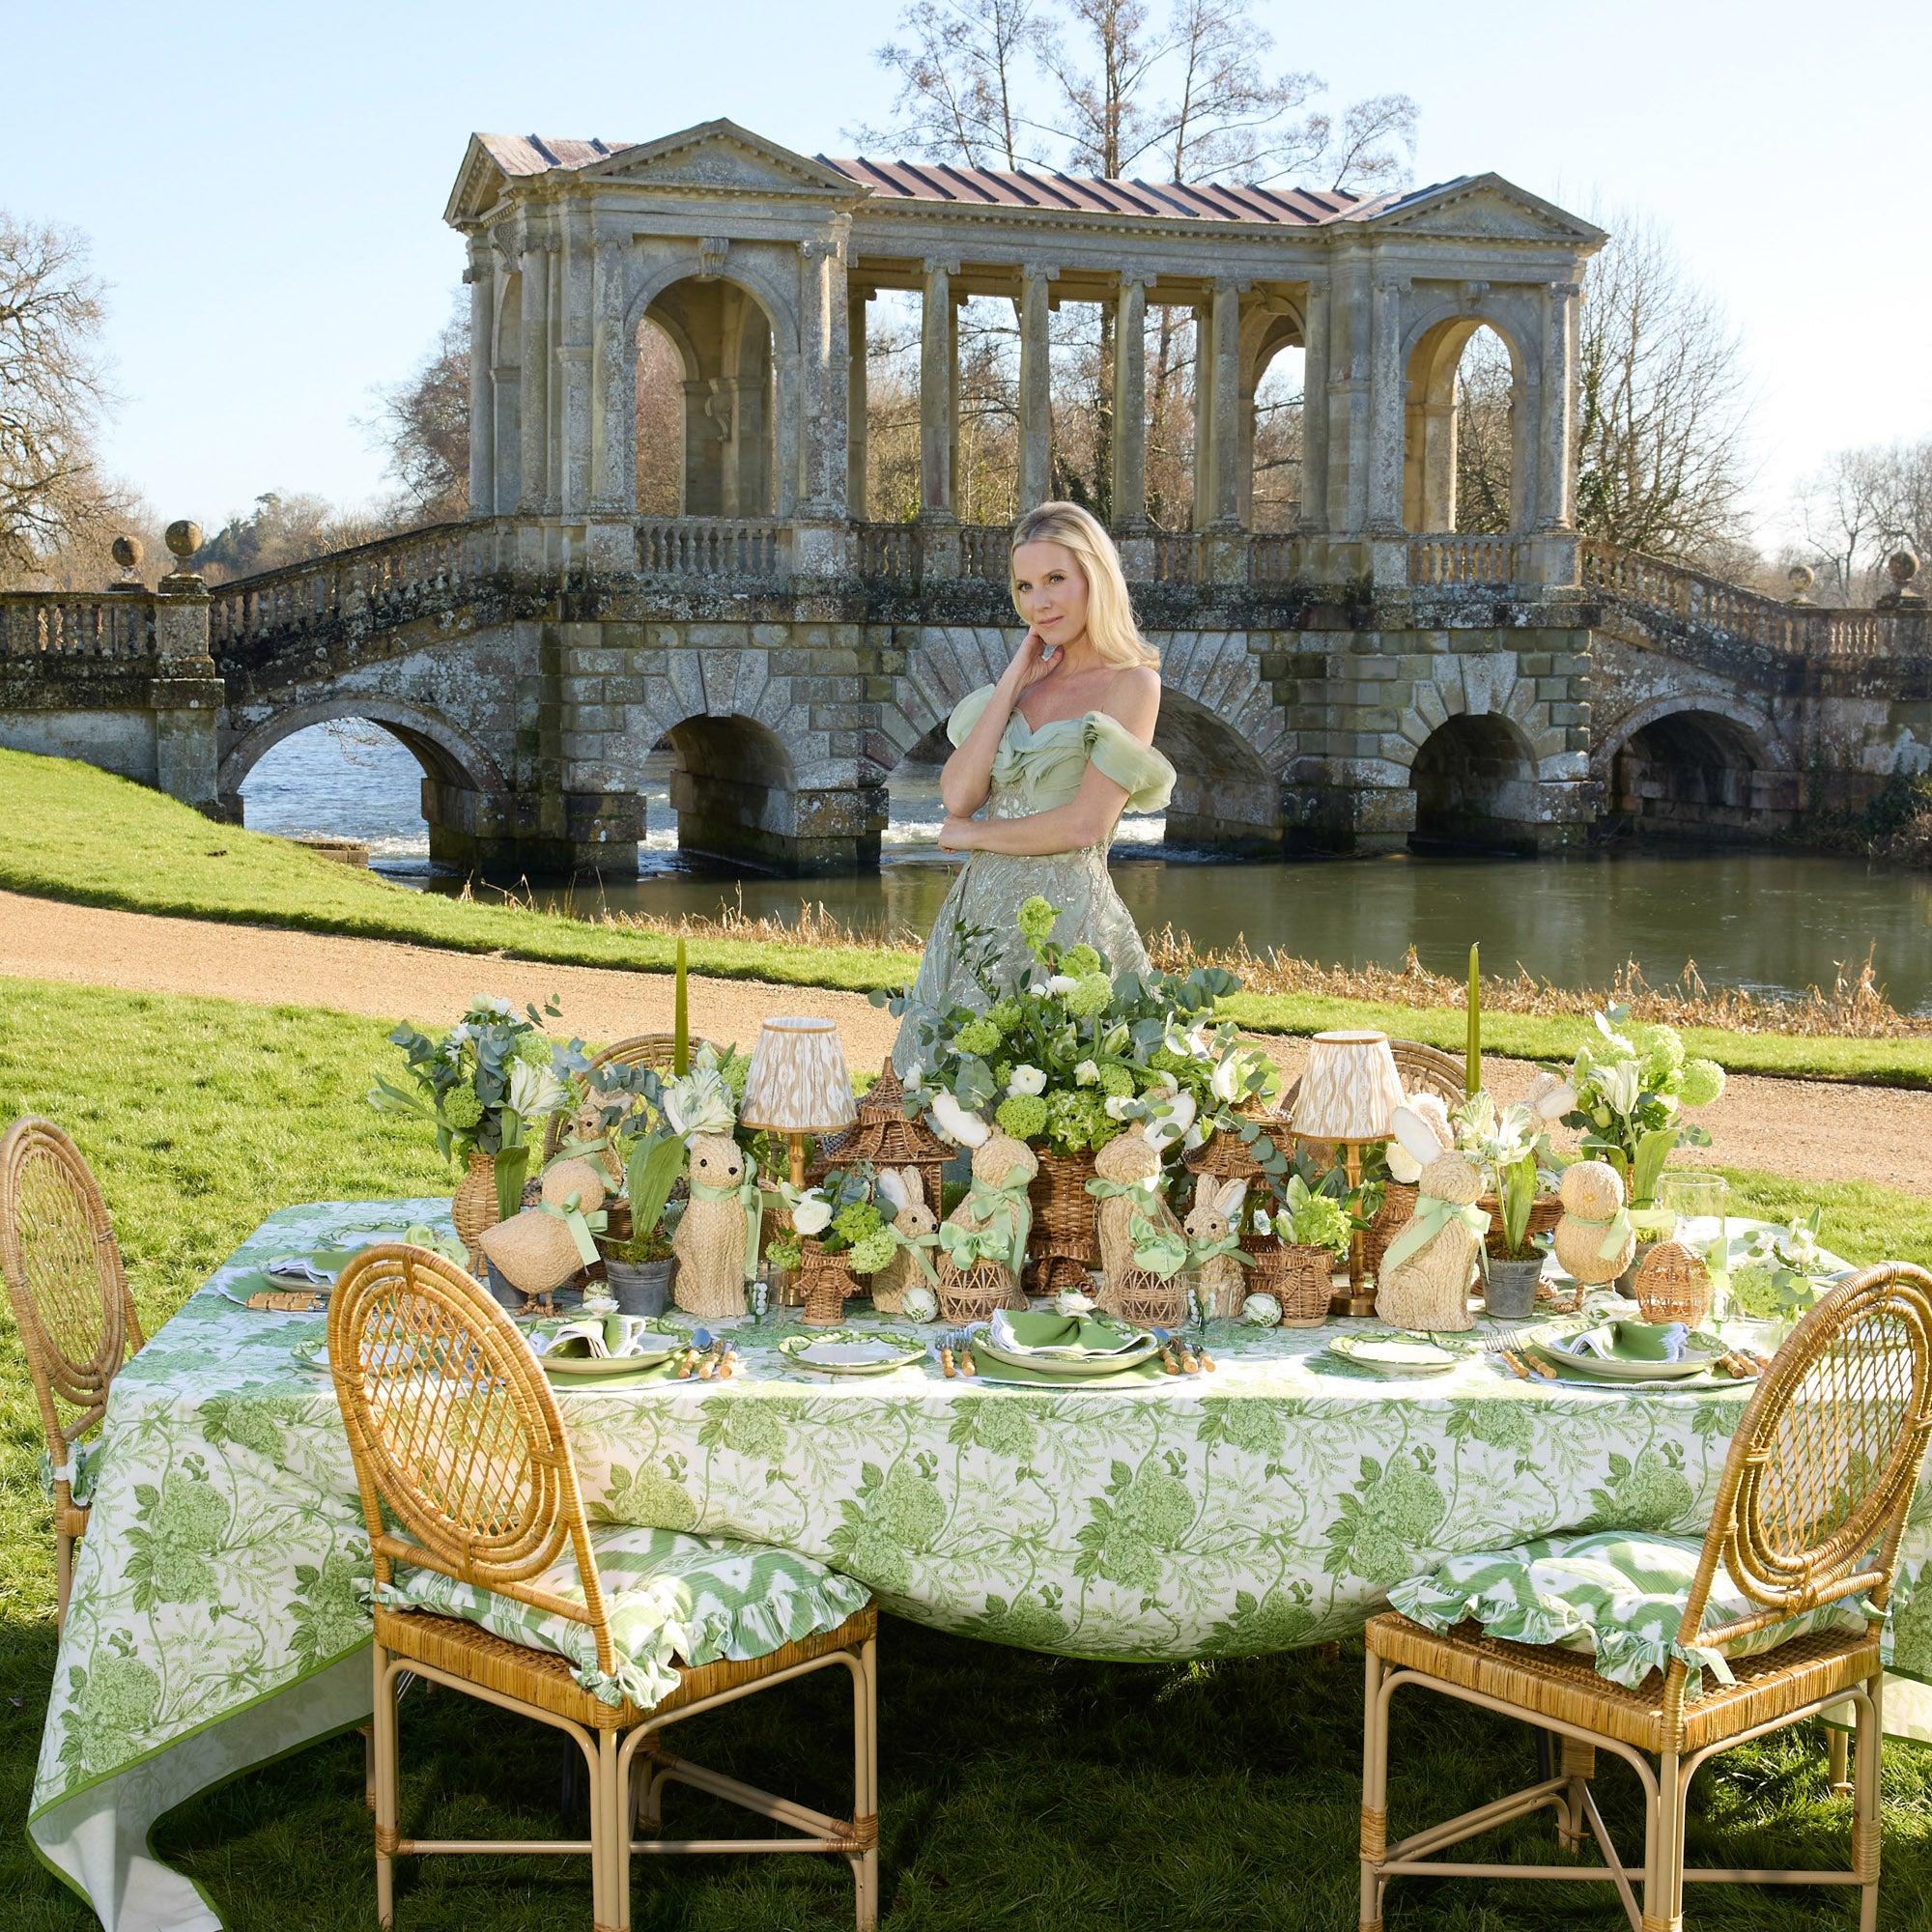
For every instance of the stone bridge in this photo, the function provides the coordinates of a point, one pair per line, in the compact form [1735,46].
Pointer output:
[1358,682]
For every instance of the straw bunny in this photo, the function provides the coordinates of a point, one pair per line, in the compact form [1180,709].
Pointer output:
[917,1226]
[1211,1248]
[1126,1181]
[993,1221]
[1426,1272]
[717,1239]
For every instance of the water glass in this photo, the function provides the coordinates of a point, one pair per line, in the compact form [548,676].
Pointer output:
[1703,1197]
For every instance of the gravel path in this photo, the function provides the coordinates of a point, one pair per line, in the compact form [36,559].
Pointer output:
[1816,1129]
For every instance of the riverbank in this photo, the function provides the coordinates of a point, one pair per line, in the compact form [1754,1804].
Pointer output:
[79,835]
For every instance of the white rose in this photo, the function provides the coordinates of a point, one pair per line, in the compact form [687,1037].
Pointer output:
[1087,1074]
[1026,1080]
[961,1128]
[1229,1079]
[1116,1105]
[1403,1165]
[812,1214]
[1062,982]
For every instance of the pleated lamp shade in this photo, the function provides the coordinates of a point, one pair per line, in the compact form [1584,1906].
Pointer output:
[1349,1088]
[798,1083]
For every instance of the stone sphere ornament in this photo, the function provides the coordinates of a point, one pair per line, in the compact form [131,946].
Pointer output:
[128,551]
[183,538]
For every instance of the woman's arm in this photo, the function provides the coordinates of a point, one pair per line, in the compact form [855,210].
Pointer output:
[1133,698]
[968,774]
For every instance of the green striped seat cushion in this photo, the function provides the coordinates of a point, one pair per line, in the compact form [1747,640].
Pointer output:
[1617,1593]
[669,1595]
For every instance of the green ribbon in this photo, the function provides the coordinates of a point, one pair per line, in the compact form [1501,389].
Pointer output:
[1228,1244]
[569,1210]
[1429,1218]
[1159,1250]
[1619,1225]
[578,1150]
[1006,1205]
[1114,1190]
[747,1196]
[916,1245]
[968,1248]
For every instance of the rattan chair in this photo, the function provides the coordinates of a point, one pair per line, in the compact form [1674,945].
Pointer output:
[643,1049]
[69,1294]
[456,1439]
[1809,1510]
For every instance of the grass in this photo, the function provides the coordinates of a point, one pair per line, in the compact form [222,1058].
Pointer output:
[1020,1792]
[81,835]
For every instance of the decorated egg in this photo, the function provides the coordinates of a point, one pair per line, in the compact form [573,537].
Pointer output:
[919,1304]
[1262,1311]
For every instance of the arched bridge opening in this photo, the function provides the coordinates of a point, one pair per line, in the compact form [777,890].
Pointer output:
[1698,775]
[1224,796]
[1474,781]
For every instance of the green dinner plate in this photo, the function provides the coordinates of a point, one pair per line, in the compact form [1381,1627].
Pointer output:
[987,1368]
[1069,1368]
[618,1372]
[853,1351]
[1704,1351]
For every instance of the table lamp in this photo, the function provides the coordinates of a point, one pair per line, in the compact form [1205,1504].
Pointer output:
[798,1085]
[1347,1091]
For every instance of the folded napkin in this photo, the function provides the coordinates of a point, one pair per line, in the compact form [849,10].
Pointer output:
[1065,1337]
[607,1340]
[1602,1342]
[298,1267]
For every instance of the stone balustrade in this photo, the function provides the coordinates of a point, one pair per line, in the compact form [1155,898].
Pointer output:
[37,623]
[757,547]
[1502,557]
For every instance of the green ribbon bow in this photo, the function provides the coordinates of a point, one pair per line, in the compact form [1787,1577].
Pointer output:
[747,1196]
[916,1246]
[1159,1250]
[570,1211]
[968,1248]
[1619,1226]
[1004,1205]
[1228,1244]
[1114,1190]
[1429,1218]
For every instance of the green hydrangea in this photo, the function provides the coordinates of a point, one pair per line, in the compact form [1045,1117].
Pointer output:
[532,1047]
[1754,1290]
[461,1107]
[873,1251]
[1320,1222]
[856,1220]
[1091,995]
[978,1036]
[1703,1081]
[1117,1082]
[1035,919]
[1659,1056]
[1164,1060]
[1081,960]
[1023,1115]
[1076,1121]
[1007,1015]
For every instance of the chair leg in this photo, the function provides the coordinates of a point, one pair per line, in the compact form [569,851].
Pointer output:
[1867,1741]
[368,1737]
[383,1732]
[1837,1774]
[866,1782]
[1664,1861]
[64,1570]
[606,1910]
[1374,1794]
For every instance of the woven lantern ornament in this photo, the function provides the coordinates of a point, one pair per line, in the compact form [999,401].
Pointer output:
[1348,1091]
[798,1085]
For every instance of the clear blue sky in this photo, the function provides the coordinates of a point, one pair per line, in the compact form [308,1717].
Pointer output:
[264,184]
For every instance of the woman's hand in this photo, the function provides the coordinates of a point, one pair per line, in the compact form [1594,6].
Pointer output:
[1031,663]
[959,835]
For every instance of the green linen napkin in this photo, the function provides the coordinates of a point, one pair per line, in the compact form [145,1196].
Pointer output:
[1039,1334]
[990,1369]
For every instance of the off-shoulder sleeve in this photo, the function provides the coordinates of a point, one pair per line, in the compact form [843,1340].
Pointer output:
[1148,776]
[968,712]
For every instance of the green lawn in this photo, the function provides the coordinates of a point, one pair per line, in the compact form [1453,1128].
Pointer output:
[1020,1792]
[78,834]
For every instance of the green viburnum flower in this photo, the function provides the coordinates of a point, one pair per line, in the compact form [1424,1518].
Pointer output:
[871,1252]
[1659,1056]
[1007,1015]
[1023,1115]
[1164,1060]
[1070,1120]
[1702,1082]
[1754,1290]
[978,1037]
[857,1220]
[1089,997]
[1117,1082]
[1035,919]
[461,1107]
[533,1048]
[1081,961]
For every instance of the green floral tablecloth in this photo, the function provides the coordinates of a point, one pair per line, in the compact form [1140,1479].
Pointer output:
[215,1618]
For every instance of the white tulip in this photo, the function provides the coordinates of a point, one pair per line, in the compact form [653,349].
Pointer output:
[1026,1080]
[1087,1074]
[956,1125]
[1403,1165]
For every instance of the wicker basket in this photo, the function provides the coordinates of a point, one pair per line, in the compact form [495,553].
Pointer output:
[1545,1212]
[1225,1155]
[474,1208]
[1391,1217]
[1673,1285]
[824,1281]
[1143,1298]
[1064,1244]
[973,1294]
[1298,1278]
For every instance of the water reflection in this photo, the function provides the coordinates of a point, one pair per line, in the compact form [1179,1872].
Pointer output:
[1770,921]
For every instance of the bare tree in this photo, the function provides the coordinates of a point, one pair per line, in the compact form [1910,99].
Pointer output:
[962,70]
[1483,435]
[53,392]
[423,424]
[1857,508]
[282,529]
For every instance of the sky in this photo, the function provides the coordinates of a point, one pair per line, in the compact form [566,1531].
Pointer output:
[264,187]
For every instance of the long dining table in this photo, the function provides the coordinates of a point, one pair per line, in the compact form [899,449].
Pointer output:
[218,1614]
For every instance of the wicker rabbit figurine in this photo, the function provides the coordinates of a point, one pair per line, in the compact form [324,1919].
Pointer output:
[904,1189]
[984,1237]
[1126,1181]
[1221,1281]
[1426,1272]
[716,1242]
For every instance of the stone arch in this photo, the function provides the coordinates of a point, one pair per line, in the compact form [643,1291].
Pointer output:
[1697,764]
[1473,781]
[1433,360]
[449,758]
[1265,334]
[733,787]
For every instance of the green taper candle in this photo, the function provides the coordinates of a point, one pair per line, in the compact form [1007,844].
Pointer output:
[680,1025]
[1472,1063]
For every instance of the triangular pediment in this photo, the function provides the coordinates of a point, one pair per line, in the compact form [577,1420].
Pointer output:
[1486,207]
[720,156]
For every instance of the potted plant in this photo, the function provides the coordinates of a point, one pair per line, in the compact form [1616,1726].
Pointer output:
[1512,1262]
[838,1233]
[1313,1229]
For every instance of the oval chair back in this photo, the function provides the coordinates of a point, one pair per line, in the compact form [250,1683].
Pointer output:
[654,1050]
[1825,1460]
[69,1296]
[455,1432]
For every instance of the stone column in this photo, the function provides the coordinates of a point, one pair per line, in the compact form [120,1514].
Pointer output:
[1129,478]
[936,378]
[856,403]
[533,409]
[1226,440]
[1555,455]
[507,382]
[481,276]
[823,320]
[1036,387]
[613,424]
[957,488]
[576,305]
[186,694]
[1203,417]
[1386,408]
[1315,411]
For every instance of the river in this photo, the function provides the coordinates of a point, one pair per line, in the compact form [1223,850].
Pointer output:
[1770,921]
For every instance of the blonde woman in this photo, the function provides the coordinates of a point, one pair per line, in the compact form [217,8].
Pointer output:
[1055,751]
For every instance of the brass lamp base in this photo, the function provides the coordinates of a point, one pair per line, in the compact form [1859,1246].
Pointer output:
[1360,1296]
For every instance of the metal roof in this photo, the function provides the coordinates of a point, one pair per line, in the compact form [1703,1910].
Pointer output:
[535,155]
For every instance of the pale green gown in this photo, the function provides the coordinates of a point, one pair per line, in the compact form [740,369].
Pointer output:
[1035,771]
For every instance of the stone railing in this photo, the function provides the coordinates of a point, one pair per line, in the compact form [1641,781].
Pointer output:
[59,623]
[1706,604]
[1274,558]
[984,549]
[1177,557]
[714,547]
[887,550]
[373,584]
[1501,558]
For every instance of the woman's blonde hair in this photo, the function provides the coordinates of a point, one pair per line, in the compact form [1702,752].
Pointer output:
[1110,611]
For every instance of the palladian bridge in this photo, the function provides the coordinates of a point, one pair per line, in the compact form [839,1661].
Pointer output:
[1367,680]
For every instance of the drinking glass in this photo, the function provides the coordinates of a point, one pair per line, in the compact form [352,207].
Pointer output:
[1703,1198]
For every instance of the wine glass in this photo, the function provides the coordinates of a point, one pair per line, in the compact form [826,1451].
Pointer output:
[1702,1199]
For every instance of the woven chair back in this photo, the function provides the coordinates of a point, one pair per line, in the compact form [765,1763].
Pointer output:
[455,1432]
[64,1277]
[1828,1455]
[655,1050]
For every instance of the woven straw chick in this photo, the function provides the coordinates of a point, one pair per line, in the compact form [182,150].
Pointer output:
[1592,1194]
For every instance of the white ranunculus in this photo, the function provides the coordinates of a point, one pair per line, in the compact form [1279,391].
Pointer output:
[814,1213]
[916,1079]
[1026,1080]
[1087,1074]
[955,1123]
[1403,1165]
[490,1003]
[1062,982]
[535,1092]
